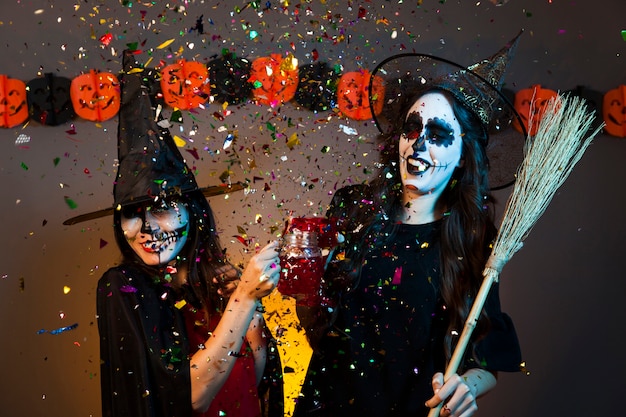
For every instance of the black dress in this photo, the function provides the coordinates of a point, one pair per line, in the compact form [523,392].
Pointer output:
[387,341]
[145,350]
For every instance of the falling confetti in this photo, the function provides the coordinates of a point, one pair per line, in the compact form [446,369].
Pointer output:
[165,44]
[180,142]
[59,330]
[128,289]
[22,139]
[70,203]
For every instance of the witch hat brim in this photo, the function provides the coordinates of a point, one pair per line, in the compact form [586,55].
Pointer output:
[150,165]
[407,76]
[207,192]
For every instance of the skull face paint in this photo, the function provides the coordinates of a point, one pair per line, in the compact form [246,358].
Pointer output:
[430,146]
[156,233]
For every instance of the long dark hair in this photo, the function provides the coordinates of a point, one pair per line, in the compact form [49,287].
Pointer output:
[466,230]
[202,253]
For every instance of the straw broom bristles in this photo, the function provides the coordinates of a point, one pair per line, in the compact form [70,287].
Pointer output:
[549,158]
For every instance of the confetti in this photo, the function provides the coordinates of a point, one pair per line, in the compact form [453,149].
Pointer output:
[228,141]
[22,139]
[59,330]
[165,44]
[180,142]
[70,203]
[348,130]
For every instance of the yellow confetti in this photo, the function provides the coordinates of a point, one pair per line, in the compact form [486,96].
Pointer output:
[180,304]
[180,142]
[166,44]
[293,141]
[66,289]
[289,63]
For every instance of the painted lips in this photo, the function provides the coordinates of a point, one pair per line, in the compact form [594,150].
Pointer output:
[161,241]
[416,166]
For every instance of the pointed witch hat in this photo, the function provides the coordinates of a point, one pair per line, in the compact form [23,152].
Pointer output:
[150,165]
[478,87]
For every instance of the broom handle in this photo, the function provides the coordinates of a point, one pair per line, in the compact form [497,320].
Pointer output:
[491,276]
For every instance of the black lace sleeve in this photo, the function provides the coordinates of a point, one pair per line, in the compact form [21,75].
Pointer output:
[499,350]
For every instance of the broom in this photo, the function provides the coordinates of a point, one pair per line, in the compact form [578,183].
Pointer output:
[549,157]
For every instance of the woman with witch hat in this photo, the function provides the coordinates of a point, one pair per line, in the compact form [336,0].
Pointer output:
[181,329]
[416,240]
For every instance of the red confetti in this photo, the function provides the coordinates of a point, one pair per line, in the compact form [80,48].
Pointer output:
[106,39]
[194,153]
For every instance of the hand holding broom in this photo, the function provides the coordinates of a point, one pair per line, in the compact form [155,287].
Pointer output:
[549,158]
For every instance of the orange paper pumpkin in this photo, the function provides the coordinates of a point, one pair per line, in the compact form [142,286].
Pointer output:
[185,84]
[614,111]
[95,95]
[13,102]
[531,102]
[274,79]
[353,95]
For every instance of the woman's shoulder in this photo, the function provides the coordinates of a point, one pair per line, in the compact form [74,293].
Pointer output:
[120,276]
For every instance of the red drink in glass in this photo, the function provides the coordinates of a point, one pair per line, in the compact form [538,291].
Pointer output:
[301,268]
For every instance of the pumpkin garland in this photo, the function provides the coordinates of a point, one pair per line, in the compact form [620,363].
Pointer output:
[13,102]
[614,111]
[95,95]
[185,84]
[530,103]
[269,80]
[353,95]
[49,99]
[275,79]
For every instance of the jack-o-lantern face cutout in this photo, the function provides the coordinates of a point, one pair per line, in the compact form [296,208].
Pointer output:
[353,95]
[13,102]
[274,79]
[49,100]
[614,111]
[185,84]
[95,96]
[530,103]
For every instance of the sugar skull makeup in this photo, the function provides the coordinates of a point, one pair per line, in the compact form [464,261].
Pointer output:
[430,146]
[156,233]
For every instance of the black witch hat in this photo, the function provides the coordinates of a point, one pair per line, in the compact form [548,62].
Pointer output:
[150,165]
[477,87]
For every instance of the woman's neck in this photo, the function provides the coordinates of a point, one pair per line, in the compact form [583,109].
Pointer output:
[419,209]
[178,274]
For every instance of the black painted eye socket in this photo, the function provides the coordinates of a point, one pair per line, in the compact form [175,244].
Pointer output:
[413,126]
[133,210]
[157,207]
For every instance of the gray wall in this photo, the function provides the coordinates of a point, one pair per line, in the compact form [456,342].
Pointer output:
[565,289]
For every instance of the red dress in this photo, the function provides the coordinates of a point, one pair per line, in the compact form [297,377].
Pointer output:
[239,394]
